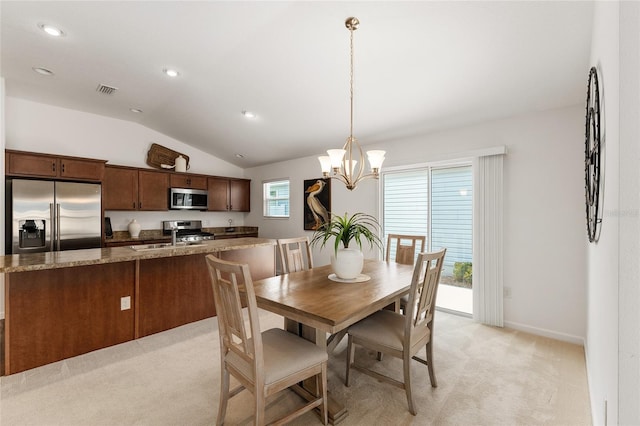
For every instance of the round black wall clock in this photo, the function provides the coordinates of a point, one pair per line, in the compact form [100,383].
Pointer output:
[592,156]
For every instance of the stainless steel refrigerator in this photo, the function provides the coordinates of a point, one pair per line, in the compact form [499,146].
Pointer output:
[46,216]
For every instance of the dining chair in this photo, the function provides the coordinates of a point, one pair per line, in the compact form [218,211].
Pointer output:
[399,335]
[295,254]
[405,253]
[265,362]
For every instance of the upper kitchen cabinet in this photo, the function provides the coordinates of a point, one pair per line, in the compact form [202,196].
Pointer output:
[29,164]
[126,188]
[181,180]
[229,194]
[153,190]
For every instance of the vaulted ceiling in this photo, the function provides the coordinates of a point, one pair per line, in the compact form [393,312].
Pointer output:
[419,67]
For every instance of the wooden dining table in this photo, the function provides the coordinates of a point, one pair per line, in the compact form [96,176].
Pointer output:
[321,309]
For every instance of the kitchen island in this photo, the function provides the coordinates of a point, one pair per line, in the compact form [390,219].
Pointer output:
[63,304]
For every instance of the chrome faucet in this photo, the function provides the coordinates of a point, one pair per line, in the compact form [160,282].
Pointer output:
[174,236]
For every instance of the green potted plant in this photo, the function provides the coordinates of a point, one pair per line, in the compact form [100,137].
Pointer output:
[348,261]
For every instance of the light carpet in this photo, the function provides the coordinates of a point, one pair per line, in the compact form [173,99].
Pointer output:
[486,376]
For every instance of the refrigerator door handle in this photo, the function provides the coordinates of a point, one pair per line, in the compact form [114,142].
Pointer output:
[58,226]
[53,228]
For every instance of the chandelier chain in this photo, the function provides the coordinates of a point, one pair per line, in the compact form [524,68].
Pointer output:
[351,29]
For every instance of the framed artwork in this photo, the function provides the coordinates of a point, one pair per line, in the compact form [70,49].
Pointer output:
[317,203]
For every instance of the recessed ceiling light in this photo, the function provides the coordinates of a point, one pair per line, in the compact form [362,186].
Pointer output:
[136,110]
[170,72]
[239,156]
[51,30]
[248,114]
[42,71]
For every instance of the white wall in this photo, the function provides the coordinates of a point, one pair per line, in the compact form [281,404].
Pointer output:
[544,209]
[603,256]
[629,264]
[44,128]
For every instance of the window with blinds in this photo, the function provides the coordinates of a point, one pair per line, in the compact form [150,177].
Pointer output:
[276,198]
[435,202]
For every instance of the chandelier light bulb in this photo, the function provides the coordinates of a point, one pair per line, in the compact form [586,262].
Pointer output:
[325,165]
[376,157]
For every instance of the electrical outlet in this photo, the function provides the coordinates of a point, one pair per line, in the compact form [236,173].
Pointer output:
[125,303]
[506,292]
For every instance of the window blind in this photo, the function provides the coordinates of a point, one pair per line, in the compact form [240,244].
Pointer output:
[405,203]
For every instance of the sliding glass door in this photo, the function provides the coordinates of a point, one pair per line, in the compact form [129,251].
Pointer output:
[436,202]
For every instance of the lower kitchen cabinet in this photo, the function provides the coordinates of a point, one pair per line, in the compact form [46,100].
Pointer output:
[60,313]
[174,291]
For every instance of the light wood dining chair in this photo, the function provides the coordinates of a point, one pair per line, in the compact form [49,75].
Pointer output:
[402,336]
[405,253]
[295,254]
[263,362]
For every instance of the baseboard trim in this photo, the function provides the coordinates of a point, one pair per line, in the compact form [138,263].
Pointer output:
[569,338]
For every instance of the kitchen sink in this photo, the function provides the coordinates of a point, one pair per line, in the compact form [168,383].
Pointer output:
[145,247]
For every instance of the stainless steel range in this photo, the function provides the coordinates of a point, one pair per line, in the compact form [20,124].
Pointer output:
[187,230]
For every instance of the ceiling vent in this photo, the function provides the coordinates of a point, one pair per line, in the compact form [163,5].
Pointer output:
[106,90]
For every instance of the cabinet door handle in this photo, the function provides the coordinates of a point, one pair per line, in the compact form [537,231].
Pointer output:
[62,167]
[53,166]
[140,205]
[134,204]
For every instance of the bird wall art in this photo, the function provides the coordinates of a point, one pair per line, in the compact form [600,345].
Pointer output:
[317,203]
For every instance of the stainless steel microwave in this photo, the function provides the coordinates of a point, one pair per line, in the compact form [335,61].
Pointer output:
[188,199]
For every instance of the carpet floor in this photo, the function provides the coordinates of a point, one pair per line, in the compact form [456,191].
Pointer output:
[486,376]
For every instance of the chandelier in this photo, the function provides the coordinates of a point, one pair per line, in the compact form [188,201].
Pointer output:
[347,164]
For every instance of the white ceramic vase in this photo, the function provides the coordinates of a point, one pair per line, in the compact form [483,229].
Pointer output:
[348,263]
[134,229]
[181,164]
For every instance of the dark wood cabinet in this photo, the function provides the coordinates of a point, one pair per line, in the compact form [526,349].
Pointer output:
[227,194]
[120,188]
[174,291]
[53,314]
[126,188]
[60,313]
[131,188]
[218,194]
[153,190]
[181,180]
[28,164]
[240,195]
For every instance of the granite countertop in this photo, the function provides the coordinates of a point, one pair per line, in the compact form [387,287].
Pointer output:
[71,258]
[157,235]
